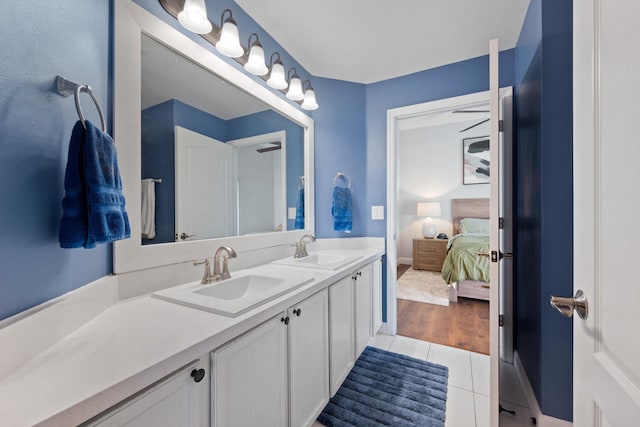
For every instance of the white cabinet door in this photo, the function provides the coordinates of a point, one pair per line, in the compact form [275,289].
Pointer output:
[249,385]
[178,400]
[363,304]
[341,334]
[376,296]
[308,359]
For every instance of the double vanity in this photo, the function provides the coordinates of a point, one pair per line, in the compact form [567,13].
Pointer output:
[151,345]
[197,354]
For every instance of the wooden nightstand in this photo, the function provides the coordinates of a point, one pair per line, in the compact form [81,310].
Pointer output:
[428,254]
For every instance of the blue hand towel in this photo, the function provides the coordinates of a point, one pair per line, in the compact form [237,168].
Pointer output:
[341,209]
[93,206]
[299,223]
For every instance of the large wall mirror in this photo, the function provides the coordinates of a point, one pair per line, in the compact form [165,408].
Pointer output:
[208,155]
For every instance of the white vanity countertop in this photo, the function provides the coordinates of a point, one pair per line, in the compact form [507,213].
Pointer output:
[129,346]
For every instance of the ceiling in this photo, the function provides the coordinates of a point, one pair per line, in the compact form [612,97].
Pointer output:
[167,75]
[367,41]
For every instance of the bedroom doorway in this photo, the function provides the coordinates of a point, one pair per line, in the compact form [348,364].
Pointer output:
[426,173]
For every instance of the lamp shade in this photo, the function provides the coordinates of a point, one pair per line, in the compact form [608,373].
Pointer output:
[310,102]
[429,209]
[229,43]
[295,89]
[276,78]
[255,64]
[193,17]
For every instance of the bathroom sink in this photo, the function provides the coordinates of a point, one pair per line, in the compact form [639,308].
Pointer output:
[238,294]
[319,260]
[240,287]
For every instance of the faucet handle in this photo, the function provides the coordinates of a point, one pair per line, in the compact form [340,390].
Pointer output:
[225,268]
[207,276]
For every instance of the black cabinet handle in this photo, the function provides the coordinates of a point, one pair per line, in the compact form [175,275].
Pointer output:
[285,320]
[297,312]
[197,375]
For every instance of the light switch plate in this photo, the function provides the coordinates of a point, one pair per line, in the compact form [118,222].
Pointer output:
[291,213]
[377,212]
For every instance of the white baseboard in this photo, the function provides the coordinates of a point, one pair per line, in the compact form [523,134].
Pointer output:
[29,333]
[542,419]
[406,261]
[384,329]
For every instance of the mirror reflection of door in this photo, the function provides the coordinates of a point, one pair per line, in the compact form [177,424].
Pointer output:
[261,175]
[205,186]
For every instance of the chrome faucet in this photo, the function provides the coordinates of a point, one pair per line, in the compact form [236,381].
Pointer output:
[301,246]
[230,253]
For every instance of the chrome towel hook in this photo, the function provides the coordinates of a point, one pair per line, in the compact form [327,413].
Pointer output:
[67,88]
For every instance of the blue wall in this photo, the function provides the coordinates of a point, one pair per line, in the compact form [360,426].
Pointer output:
[340,144]
[40,40]
[460,78]
[543,201]
[158,160]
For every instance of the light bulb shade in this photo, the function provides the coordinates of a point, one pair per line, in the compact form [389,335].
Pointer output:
[309,102]
[194,17]
[276,79]
[229,43]
[430,209]
[255,64]
[295,89]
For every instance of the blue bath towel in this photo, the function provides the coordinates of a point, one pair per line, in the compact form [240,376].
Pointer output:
[299,224]
[93,206]
[342,209]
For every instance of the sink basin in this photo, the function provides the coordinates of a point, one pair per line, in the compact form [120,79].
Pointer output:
[240,287]
[238,294]
[319,260]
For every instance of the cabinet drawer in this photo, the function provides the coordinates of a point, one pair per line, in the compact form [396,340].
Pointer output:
[431,251]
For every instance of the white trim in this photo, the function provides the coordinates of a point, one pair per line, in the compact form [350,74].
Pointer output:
[393,115]
[384,329]
[129,255]
[277,136]
[542,419]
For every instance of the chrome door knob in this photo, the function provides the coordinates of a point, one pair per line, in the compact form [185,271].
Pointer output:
[567,306]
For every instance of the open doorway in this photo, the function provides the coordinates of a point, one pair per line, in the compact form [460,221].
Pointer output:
[430,169]
[443,179]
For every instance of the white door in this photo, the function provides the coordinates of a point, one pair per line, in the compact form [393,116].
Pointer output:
[308,359]
[494,293]
[606,151]
[205,186]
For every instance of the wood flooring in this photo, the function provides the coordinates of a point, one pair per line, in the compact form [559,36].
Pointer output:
[464,324]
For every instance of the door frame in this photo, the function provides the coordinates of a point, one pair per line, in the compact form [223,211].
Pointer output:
[277,136]
[390,327]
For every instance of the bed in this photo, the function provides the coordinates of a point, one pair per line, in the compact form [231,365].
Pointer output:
[465,271]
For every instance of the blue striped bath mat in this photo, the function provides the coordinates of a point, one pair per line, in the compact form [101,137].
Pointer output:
[389,389]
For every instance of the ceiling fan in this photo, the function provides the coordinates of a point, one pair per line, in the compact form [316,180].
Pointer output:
[472,111]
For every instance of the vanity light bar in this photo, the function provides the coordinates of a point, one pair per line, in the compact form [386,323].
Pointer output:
[307,100]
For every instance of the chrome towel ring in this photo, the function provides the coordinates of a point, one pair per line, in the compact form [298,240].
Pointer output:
[87,89]
[344,177]
[67,88]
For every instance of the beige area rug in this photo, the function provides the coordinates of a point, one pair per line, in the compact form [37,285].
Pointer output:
[423,286]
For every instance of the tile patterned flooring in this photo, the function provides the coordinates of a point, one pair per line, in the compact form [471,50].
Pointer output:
[468,391]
